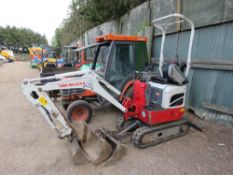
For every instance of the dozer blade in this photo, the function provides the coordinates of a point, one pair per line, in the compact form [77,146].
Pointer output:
[98,148]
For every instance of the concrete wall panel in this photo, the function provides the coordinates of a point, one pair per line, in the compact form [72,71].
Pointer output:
[136,20]
[228,13]
[205,12]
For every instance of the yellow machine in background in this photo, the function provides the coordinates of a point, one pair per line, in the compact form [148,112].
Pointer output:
[8,54]
[42,57]
[35,56]
[49,59]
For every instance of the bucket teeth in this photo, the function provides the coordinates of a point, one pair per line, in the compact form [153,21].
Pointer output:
[98,148]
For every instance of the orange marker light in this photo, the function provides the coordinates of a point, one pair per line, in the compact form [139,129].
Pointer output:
[112,37]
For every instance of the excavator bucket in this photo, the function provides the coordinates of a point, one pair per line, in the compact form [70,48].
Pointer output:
[118,150]
[98,148]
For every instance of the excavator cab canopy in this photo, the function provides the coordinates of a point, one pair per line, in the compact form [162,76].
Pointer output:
[117,57]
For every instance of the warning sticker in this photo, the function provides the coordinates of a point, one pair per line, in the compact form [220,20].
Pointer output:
[43,101]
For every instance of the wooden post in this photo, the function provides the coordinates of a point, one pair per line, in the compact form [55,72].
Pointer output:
[218,108]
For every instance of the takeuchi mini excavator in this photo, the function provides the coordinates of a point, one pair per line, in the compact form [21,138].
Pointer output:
[152,110]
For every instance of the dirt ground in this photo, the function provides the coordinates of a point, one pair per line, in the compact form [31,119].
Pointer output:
[29,146]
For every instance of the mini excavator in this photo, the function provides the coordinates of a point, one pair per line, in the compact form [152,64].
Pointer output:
[152,104]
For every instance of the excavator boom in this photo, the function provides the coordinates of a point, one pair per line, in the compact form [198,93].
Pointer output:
[97,148]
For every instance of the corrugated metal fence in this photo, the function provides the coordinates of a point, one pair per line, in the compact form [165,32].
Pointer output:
[208,84]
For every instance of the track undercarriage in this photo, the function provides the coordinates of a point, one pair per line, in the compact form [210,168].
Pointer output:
[144,136]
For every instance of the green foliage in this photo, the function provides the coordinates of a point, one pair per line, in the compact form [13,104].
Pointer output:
[21,37]
[85,14]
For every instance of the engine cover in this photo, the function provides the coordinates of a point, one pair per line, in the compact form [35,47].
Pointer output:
[165,95]
[155,103]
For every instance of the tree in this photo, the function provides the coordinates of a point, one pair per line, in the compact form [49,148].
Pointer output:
[85,14]
[21,37]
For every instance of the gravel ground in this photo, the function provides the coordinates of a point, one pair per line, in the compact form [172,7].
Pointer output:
[29,146]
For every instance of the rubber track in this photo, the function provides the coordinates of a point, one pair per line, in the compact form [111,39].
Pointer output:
[140,132]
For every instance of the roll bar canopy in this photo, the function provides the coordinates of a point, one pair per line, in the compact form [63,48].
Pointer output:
[163,29]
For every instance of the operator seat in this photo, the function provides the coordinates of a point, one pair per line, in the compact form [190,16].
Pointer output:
[173,73]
